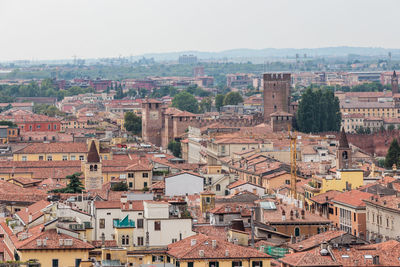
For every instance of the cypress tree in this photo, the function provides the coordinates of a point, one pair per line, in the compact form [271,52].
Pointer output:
[392,156]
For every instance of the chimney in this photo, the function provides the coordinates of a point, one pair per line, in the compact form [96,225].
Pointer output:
[214,243]
[193,242]
[226,253]
[30,217]
[201,253]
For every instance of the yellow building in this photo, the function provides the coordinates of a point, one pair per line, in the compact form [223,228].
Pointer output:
[58,151]
[369,109]
[200,250]
[346,177]
[48,247]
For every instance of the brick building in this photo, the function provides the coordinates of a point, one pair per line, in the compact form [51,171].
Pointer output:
[276,93]
[28,121]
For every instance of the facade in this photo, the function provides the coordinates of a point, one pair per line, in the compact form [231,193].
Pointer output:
[383,217]
[182,184]
[276,93]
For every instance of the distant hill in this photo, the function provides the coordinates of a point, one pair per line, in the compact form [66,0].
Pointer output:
[339,51]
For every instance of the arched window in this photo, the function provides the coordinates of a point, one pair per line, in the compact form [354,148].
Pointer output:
[123,240]
[218,187]
[344,155]
[297,231]
[95,168]
[91,168]
[127,240]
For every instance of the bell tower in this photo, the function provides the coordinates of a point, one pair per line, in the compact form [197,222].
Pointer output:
[395,83]
[343,153]
[92,168]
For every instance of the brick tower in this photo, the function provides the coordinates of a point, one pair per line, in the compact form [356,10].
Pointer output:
[343,153]
[395,83]
[152,121]
[92,167]
[276,93]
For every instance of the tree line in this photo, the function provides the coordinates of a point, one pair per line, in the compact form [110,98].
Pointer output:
[318,111]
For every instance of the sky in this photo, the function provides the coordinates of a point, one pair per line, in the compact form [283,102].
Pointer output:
[61,29]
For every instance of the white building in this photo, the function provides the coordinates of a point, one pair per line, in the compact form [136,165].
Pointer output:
[185,183]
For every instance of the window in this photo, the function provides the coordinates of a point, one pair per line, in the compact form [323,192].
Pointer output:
[287,181]
[145,175]
[131,175]
[49,126]
[55,126]
[73,157]
[65,157]
[208,199]
[139,223]
[49,158]
[38,126]
[54,263]
[140,241]
[24,158]
[102,223]
[190,264]
[297,231]
[130,184]
[174,240]
[355,217]
[125,240]
[218,187]
[145,184]
[236,263]
[256,264]
[213,264]
[30,129]
[221,218]
[157,226]
[81,157]
[77,262]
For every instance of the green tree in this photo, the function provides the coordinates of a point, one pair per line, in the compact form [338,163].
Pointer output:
[392,156]
[175,148]
[74,186]
[233,98]
[185,101]
[133,123]
[205,105]
[219,101]
[319,111]
[121,186]
[391,128]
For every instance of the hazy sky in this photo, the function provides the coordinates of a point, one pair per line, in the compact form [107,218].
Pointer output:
[55,29]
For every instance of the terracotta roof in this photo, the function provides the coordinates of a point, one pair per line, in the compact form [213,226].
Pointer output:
[13,193]
[352,198]
[35,210]
[107,243]
[232,208]
[325,197]
[315,240]
[58,147]
[308,259]
[107,204]
[392,202]
[53,242]
[190,247]
[158,185]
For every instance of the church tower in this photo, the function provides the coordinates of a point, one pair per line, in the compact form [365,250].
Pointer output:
[92,168]
[343,153]
[395,83]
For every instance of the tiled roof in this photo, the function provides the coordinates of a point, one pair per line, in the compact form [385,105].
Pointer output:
[158,185]
[315,240]
[13,193]
[53,242]
[232,208]
[392,202]
[352,198]
[58,147]
[308,259]
[35,210]
[191,248]
[325,197]
[107,243]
